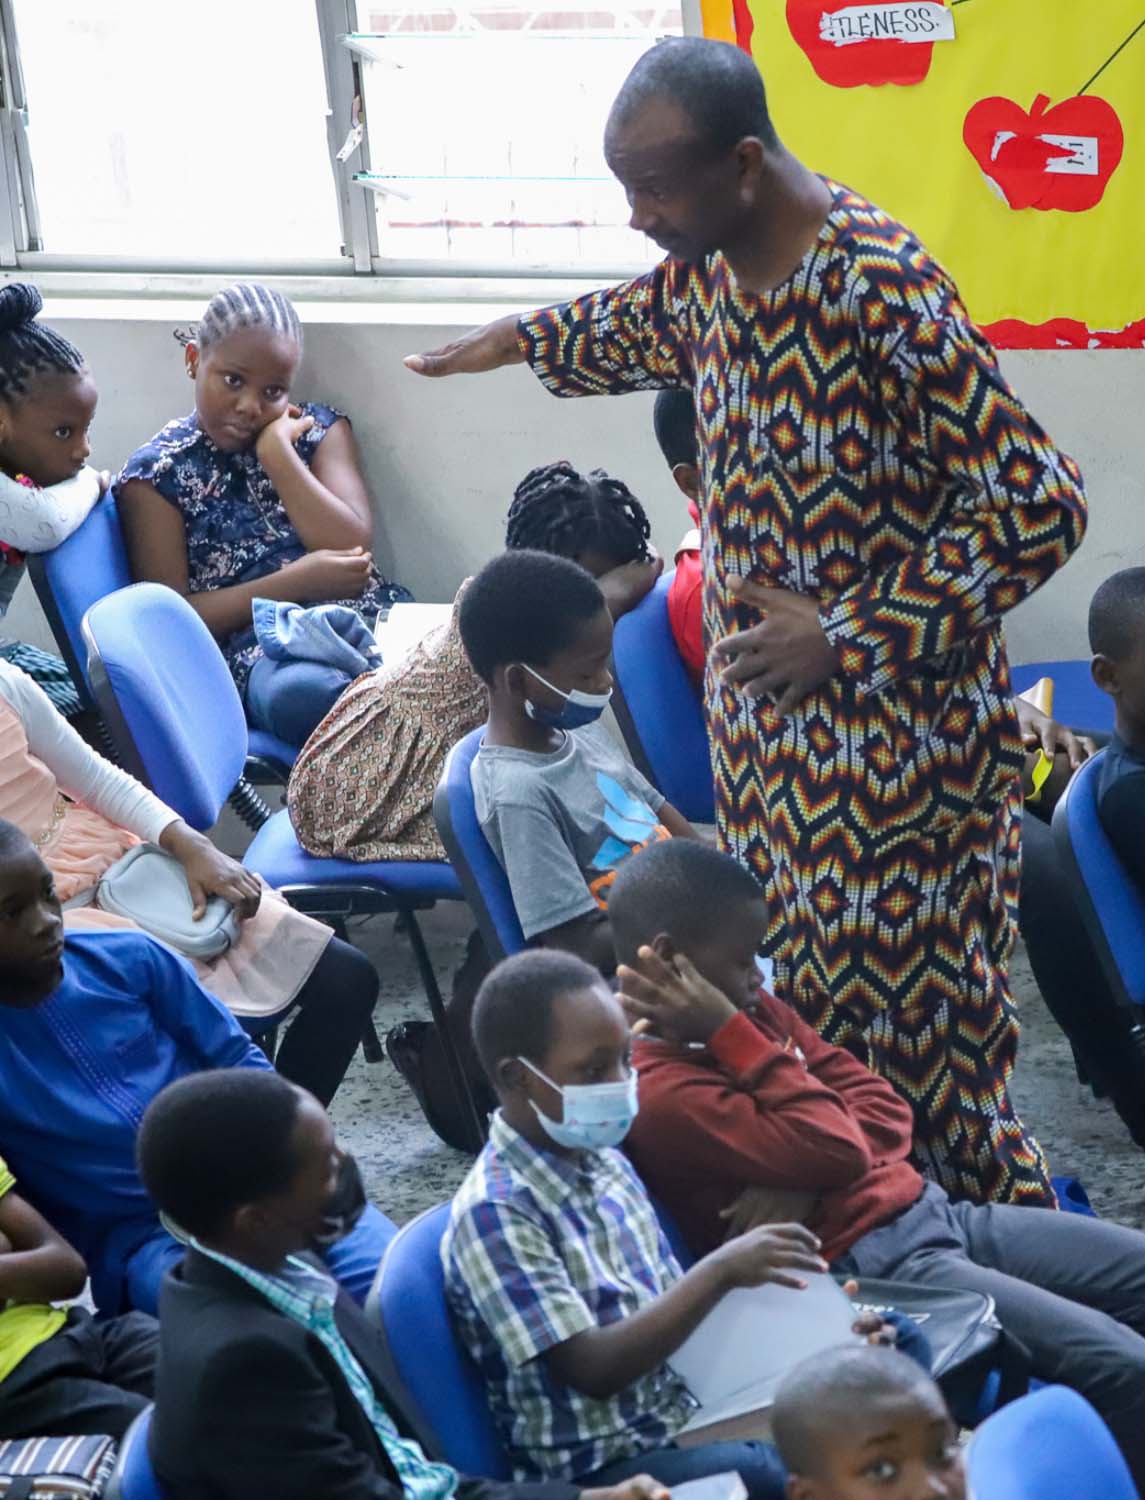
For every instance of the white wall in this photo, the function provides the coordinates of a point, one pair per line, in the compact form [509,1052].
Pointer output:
[443,457]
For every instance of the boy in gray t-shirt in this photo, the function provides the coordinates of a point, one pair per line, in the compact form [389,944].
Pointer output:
[559,803]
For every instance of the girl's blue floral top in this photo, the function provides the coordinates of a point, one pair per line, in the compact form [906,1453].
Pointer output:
[237,528]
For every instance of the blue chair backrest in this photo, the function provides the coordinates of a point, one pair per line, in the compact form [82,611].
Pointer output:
[1051,1445]
[70,578]
[1078,701]
[659,709]
[168,698]
[484,882]
[1111,905]
[437,1372]
[133,1477]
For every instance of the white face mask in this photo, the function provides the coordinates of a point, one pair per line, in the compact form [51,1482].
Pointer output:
[594,1115]
[580,708]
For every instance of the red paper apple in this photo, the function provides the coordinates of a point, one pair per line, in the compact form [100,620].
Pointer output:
[1059,157]
[894,49]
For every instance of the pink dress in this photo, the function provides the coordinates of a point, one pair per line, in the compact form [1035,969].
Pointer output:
[278,947]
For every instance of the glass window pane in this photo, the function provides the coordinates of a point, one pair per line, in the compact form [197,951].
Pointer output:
[171,130]
[506,163]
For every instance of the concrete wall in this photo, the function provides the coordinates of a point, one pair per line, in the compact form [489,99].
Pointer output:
[443,458]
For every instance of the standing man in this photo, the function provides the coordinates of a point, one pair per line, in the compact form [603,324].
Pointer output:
[874,498]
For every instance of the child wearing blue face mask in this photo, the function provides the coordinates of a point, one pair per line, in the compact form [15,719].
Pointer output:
[557,1273]
[559,802]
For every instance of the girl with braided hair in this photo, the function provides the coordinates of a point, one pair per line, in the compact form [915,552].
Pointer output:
[252,496]
[47,401]
[594,520]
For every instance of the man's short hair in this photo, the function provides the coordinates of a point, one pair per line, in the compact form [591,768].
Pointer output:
[513,1012]
[679,886]
[812,1404]
[213,1142]
[1117,615]
[525,606]
[718,87]
[674,418]
[13,840]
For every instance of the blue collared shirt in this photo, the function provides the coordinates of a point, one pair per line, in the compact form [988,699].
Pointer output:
[79,1070]
[541,1247]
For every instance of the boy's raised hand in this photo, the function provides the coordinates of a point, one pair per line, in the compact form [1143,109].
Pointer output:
[672,998]
[774,1252]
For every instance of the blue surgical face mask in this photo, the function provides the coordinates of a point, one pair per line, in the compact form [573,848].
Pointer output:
[580,708]
[593,1116]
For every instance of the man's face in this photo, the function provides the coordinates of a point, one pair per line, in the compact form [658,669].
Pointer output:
[31,930]
[727,959]
[686,197]
[299,1217]
[1124,681]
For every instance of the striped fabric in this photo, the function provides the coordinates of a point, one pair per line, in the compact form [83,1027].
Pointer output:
[859,445]
[539,1248]
[62,1468]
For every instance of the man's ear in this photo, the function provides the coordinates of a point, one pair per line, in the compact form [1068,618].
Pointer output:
[511,679]
[749,161]
[510,1075]
[687,477]
[250,1219]
[191,359]
[1104,672]
[663,947]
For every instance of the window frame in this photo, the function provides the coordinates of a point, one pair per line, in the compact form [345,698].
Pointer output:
[21,247]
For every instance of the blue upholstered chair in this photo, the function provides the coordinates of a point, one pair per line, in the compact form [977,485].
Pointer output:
[658,708]
[1051,1445]
[484,882]
[1109,901]
[440,1379]
[1078,701]
[89,565]
[173,710]
[133,1478]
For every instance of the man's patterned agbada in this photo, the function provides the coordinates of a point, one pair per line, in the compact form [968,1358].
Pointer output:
[859,445]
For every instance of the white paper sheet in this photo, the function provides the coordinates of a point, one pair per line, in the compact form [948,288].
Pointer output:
[405,626]
[736,1359]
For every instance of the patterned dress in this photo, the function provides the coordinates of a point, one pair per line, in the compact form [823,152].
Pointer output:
[237,527]
[859,445]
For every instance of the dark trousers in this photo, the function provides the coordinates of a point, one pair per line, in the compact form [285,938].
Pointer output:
[1070,1288]
[333,1007]
[91,1377]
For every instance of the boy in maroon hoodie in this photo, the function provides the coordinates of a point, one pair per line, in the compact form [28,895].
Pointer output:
[746,1115]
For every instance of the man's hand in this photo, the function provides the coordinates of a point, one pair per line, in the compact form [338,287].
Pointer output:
[1039,731]
[639,1487]
[870,1325]
[474,353]
[758,1206]
[673,999]
[786,657]
[775,1252]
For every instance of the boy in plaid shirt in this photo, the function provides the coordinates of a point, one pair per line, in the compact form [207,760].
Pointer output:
[558,1275]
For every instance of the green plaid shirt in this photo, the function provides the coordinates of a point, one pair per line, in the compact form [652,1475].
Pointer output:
[539,1248]
[307,1296]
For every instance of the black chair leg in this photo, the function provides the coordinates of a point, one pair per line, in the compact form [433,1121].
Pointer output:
[457,1076]
[371,1044]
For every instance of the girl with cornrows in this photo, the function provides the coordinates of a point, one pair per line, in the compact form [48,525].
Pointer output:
[83,813]
[252,496]
[47,402]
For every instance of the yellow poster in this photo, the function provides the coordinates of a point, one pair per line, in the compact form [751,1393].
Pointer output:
[1008,134]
